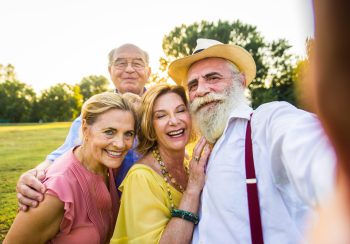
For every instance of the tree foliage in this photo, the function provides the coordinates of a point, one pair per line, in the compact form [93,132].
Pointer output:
[304,100]
[61,102]
[92,85]
[16,101]
[7,73]
[274,79]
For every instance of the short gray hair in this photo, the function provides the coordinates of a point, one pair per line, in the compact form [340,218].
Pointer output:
[111,53]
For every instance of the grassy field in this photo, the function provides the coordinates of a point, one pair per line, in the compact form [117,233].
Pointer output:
[23,146]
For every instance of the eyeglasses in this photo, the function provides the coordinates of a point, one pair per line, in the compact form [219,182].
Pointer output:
[123,63]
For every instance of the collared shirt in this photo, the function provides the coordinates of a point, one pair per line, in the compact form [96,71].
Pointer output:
[294,165]
[73,139]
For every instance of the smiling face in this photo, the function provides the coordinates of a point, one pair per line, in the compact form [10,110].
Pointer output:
[215,88]
[211,75]
[171,121]
[129,69]
[108,139]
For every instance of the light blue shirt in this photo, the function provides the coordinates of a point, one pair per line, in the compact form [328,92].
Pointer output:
[73,139]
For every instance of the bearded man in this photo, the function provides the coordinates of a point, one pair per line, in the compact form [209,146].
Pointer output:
[268,167]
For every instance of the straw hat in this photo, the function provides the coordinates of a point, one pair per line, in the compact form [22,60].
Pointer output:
[207,48]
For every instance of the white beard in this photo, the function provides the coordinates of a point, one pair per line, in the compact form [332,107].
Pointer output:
[211,121]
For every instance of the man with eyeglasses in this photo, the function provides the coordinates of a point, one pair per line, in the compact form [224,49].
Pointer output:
[128,66]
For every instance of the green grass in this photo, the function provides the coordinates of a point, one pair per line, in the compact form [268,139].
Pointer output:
[22,147]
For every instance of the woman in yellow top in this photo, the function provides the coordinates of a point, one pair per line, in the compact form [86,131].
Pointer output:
[160,196]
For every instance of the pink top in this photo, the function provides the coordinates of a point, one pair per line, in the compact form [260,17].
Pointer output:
[90,209]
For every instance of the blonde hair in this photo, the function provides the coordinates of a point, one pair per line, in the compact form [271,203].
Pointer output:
[100,103]
[134,99]
[147,135]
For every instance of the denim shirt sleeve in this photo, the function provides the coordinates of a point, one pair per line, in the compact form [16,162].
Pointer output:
[131,157]
[72,140]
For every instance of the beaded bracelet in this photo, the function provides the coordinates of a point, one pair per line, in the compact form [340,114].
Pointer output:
[179,213]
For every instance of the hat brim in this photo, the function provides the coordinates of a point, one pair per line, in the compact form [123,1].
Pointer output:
[240,57]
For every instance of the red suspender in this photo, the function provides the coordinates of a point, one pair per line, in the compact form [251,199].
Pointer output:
[252,191]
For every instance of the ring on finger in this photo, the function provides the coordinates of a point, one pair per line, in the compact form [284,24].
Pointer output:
[196,158]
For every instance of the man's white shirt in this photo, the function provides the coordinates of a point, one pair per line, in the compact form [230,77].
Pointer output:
[294,165]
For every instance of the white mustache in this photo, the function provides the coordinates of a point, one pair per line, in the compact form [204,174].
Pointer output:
[198,102]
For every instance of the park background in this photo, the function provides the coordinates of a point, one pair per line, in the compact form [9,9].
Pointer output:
[53,56]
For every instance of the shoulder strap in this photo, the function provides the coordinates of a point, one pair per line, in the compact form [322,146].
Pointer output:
[252,190]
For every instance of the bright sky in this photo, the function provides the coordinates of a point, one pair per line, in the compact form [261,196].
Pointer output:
[52,41]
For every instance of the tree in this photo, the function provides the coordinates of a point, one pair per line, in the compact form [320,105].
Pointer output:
[279,82]
[92,85]
[61,102]
[7,73]
[16,99]
[274,79]
[302,78]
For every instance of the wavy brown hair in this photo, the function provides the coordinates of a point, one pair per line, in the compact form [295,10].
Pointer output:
[147,135]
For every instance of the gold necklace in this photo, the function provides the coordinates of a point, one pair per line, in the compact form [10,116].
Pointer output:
[165,172]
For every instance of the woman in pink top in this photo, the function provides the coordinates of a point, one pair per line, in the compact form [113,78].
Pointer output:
[81,202]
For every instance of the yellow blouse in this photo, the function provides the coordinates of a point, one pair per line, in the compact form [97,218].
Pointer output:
[145,208]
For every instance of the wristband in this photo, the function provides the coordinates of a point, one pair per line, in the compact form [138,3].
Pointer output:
[179,213]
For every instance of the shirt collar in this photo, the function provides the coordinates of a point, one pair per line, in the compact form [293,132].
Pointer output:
[243,111]
[144,90]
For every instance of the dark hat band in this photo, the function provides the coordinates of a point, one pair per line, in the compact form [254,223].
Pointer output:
[197,51]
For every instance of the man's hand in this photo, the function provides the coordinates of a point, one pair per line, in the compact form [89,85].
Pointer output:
[30,190]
